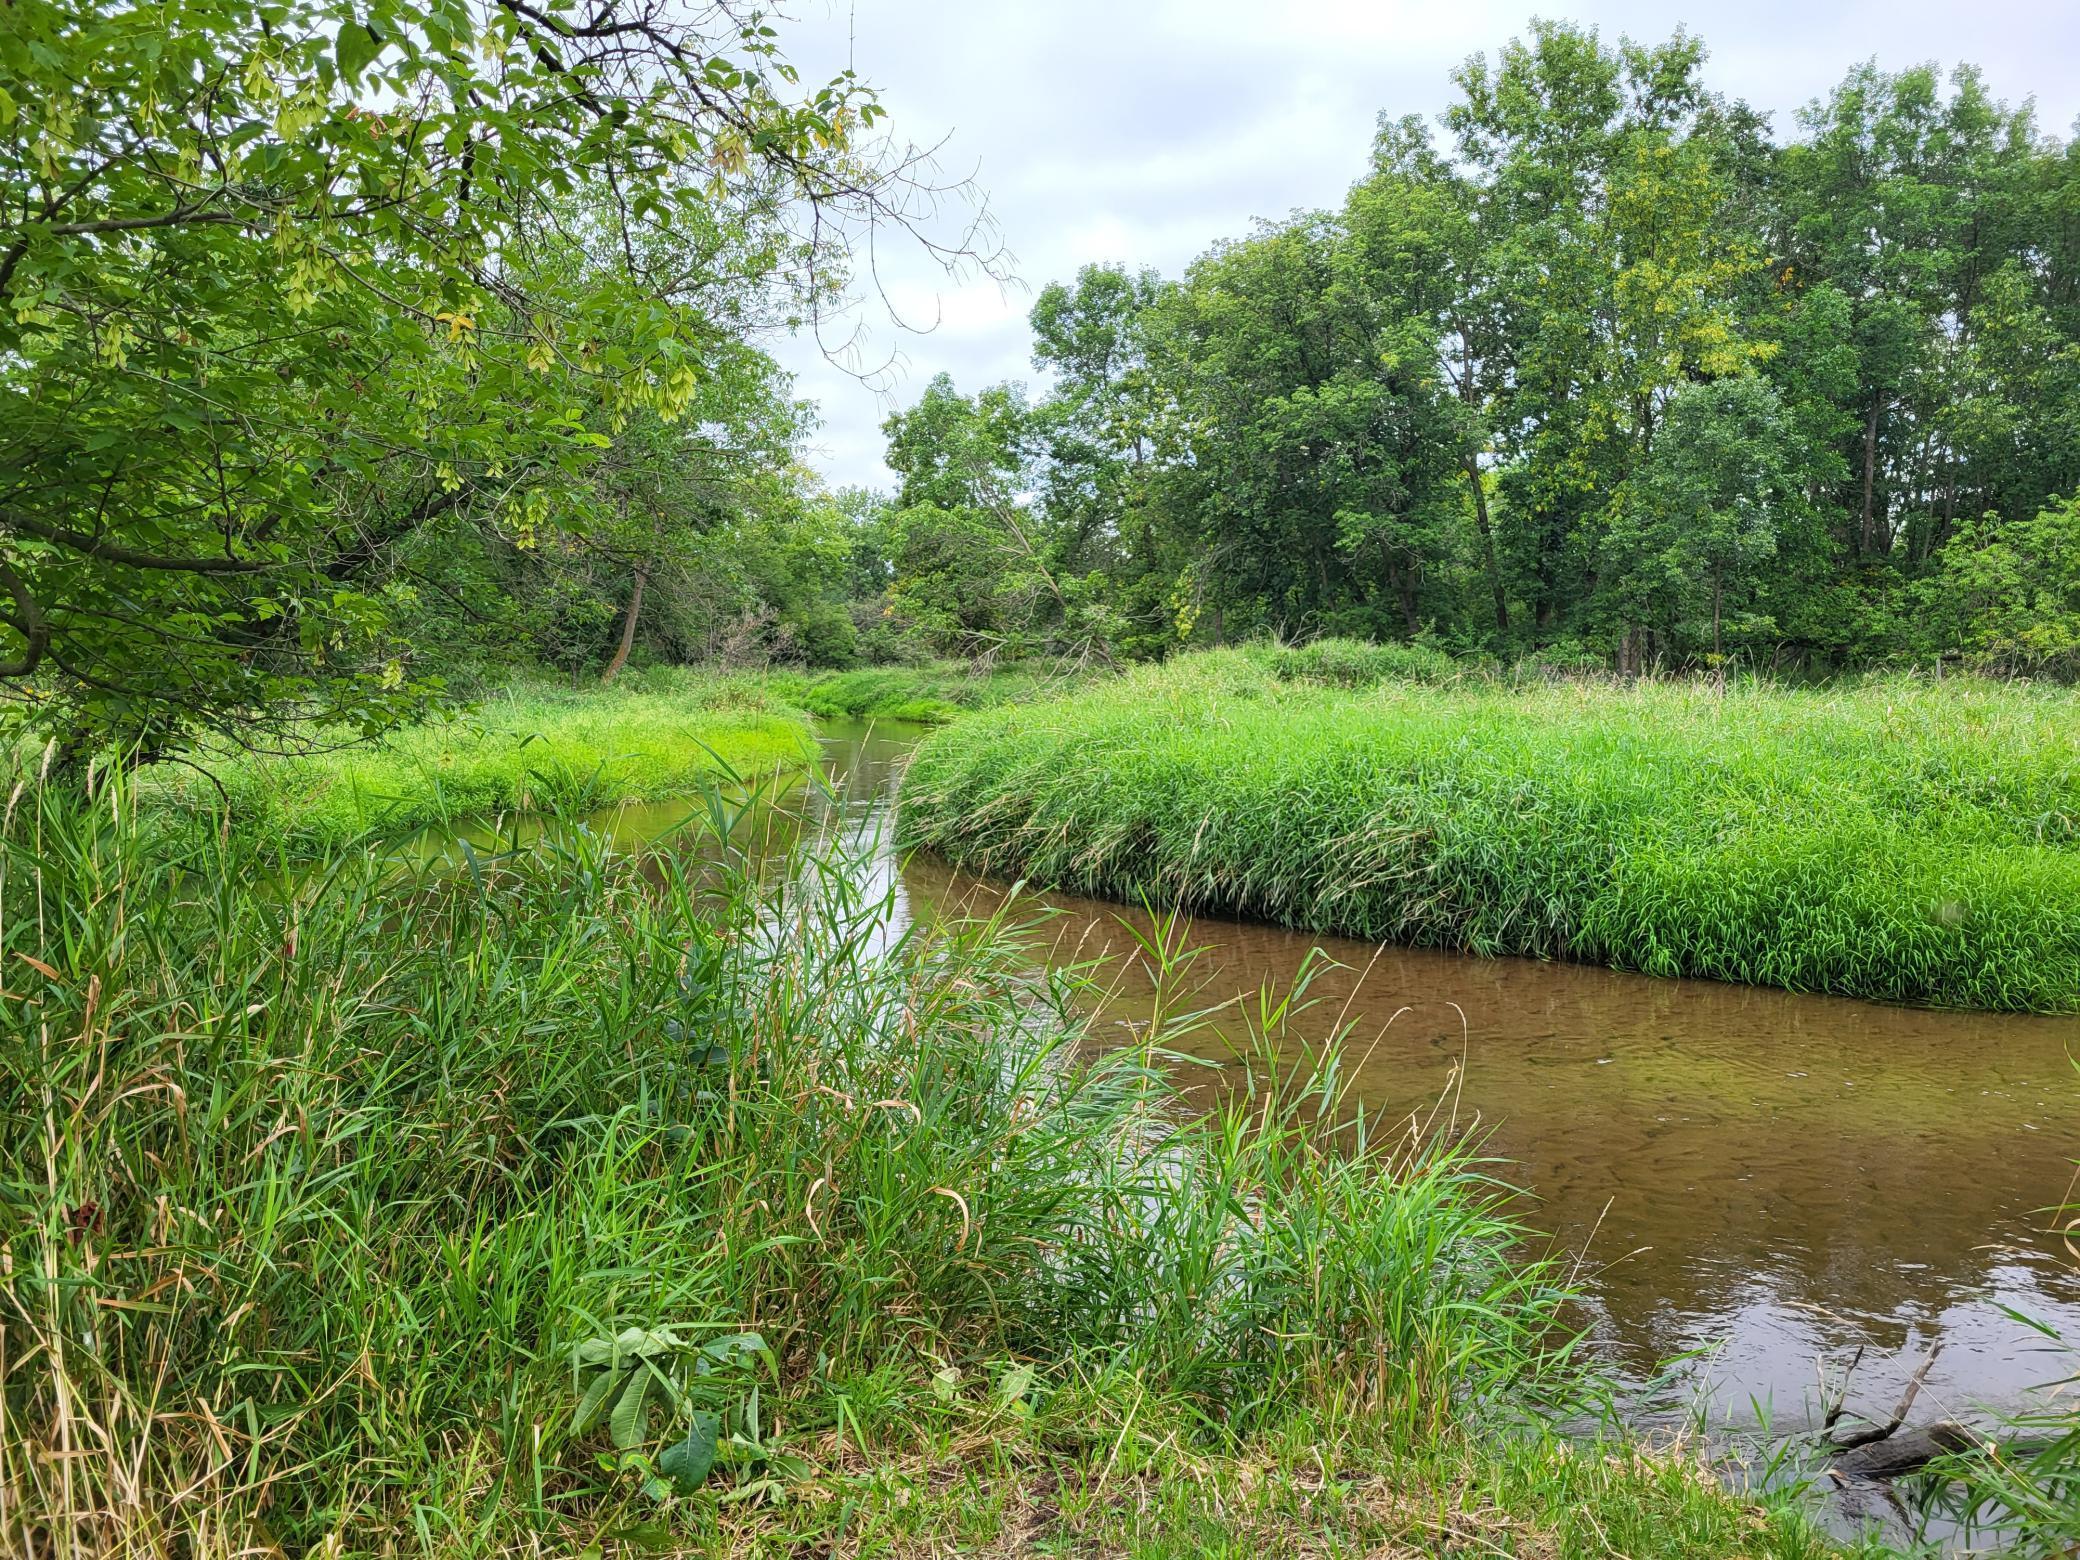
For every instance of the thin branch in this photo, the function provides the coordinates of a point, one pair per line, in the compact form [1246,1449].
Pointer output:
[1899,1414]
[115,552]
[28,620]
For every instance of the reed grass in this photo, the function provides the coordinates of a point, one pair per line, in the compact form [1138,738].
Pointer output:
[1895,840]
[532,746]
[1359,663]
[587,1203]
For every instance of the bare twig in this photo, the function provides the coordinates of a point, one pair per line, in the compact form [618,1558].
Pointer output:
[1899,1414]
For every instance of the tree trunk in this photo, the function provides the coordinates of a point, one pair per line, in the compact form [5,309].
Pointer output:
[628,629]
[1866,533]
[1480,524]
[1905,1452]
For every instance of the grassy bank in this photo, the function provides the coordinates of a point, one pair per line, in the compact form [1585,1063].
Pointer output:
[595,1203]
[926,694]
[531,747]
[1893,840]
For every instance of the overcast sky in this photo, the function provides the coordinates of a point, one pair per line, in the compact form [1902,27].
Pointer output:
[1141,131]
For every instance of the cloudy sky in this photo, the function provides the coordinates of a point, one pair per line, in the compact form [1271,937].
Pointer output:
[1141,131]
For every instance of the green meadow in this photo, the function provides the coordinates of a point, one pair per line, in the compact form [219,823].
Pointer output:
[1892,839]
[928,695]
[532,746]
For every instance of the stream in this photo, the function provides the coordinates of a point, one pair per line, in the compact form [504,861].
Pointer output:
[1759,1182]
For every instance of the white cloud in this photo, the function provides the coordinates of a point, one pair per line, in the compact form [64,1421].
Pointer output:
[1143,131]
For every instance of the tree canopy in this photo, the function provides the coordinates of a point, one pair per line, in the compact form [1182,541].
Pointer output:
[307,303]
[1601,365]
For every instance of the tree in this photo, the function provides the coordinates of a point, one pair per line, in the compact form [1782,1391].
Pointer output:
[1604,183]
[1318,452]
[963,463]
[1416,222]
[280,295]
[1705,510]
[1607,368]
[2007,594]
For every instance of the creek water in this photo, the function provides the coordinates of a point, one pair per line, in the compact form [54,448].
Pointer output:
[1761,1181]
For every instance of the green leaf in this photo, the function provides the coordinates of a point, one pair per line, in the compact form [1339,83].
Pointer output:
[589,1405]
[688,1462]
[1015,1384]
[355,46]
[736,1349]
[627,1422]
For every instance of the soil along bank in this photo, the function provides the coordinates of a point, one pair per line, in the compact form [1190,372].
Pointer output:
[1892,840]
[529,748]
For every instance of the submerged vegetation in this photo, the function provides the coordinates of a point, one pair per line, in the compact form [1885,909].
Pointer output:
[529,747]
[1893,840]
[591,1198]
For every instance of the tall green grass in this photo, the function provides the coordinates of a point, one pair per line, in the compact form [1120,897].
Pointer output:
[926,694]
[582,1199]
[1893,840]
[1359,663]
[529,747]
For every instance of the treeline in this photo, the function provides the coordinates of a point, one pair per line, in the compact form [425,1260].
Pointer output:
[1607,370]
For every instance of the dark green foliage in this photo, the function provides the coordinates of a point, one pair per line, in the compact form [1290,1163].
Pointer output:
[1608,369]
[311,313]
[1897,841]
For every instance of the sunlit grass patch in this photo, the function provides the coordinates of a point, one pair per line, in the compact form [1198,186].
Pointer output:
[925,694]
[530,747]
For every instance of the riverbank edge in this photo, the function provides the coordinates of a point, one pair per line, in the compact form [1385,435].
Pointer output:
[1570,823]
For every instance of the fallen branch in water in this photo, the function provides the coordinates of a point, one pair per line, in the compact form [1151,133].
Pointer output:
[1899,1414]
[1881,1451]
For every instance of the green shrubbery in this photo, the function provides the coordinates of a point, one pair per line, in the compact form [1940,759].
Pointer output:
[1894,840]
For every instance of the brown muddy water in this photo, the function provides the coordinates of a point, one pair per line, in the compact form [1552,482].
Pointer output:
[1758,1183]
